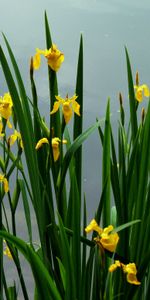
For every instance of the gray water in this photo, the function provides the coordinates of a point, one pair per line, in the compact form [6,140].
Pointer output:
[107,26]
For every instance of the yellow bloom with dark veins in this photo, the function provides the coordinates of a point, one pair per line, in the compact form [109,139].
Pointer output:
[106,238]
[13,137]
[41,142]
[129,269]
[4,180]
[55,145]
[68,106]
[54,58]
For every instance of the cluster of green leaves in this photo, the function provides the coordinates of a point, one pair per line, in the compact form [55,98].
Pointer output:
[67,265]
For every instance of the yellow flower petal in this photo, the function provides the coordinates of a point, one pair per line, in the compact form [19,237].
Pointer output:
[54,58]
[13,137]
[6,186]
[6,106]
[55,107]
[61,100]
[1,129]
[145,90]
[41,142]
[76,107]
[138,94]
[114,266]
[131,278]
[67,111]
[36,61]
[131,271]
[140,91]
[109,240]
[4,180]
[9,124]
[93,226]
[5,110]
[55,147]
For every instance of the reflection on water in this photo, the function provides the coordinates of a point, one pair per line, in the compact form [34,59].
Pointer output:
[106,26]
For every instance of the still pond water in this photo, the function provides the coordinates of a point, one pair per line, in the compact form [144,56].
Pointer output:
[107,26]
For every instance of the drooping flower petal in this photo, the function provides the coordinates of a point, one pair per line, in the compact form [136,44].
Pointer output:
[131,278]
[76,107]
[55,107]
[41,142]
[131,271]
[67,111]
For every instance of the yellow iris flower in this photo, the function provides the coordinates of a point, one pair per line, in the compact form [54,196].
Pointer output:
[129,269]
[68,106]
[6,105]
[54,58]
[55,146]
[4,180]
[140,90]
[13,137]
[105,238]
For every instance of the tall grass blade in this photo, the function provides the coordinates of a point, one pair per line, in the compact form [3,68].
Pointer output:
[132,102]
[78,121]
[106,174]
